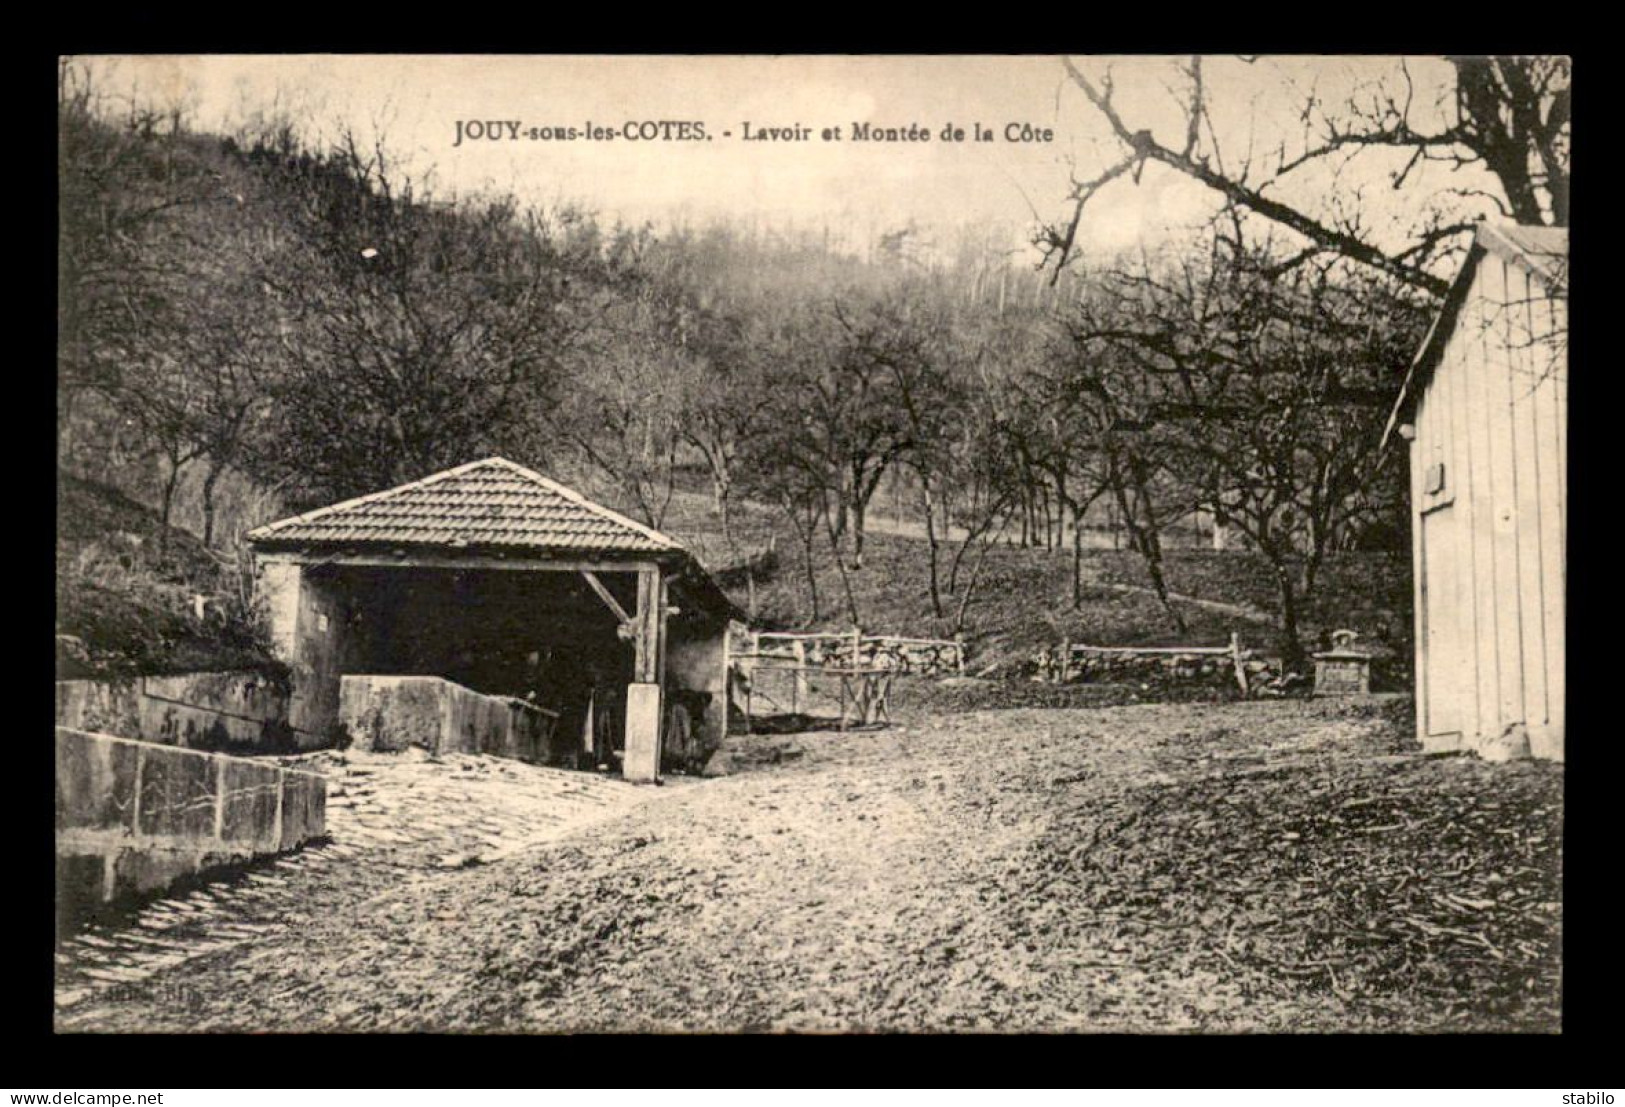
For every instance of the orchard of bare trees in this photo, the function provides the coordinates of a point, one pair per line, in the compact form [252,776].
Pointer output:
[261,315]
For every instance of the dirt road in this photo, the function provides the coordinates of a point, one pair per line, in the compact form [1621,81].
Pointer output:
[1252,867]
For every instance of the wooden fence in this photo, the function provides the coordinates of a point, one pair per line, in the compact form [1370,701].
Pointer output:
[850,650]
[1076,659]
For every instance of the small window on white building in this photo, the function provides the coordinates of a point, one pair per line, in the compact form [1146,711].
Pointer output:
[1433,479]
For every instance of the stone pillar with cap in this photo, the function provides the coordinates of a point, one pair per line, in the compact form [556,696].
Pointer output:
[1345,669]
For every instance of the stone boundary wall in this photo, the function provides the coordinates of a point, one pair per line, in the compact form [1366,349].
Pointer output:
[1214,665]
[236,711]
[393,712]
[135,817]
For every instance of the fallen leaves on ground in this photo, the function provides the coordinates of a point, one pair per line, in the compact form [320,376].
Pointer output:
[1286,866]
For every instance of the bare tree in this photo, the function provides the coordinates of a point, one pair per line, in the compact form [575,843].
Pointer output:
[1507,115]
[1261,398]
[418,333]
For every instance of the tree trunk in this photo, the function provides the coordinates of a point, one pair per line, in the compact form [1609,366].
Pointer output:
[1144,540]
[808,534]
[722,495]
[860,512]
[812,575]
[1293,656]
[1077,557]
[931,547]
[840,567]
[163,513]
[970,587]
[215,468]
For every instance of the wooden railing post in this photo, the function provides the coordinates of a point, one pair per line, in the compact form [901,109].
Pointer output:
[799,679]
[1235,658]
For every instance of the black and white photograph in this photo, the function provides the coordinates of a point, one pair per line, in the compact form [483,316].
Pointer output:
[829,544]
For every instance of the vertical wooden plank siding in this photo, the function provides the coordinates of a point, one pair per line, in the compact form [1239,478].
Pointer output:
[1521,383]
[1457,430]
[1421,446]
[1550,404]
[1495,415]
[1479,494]
[1508,706]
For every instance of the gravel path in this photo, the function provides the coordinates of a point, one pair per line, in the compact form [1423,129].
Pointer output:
[1157,868]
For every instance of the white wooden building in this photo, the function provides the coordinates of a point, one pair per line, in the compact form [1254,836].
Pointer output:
[1485,407]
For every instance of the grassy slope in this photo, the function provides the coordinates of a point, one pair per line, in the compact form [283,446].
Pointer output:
[1023,601]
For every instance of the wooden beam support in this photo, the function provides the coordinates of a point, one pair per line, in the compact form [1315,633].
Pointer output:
[644,707]
[663,611]
[605,595]
[646,643]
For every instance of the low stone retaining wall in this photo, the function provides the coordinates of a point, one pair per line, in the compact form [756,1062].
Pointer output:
[394,712]
[1210,665]
[236,711]
[134,817]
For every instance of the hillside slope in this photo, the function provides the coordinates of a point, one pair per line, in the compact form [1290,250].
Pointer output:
[1022,601]
[123,609]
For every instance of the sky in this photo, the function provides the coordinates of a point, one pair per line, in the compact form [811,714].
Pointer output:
[857,187]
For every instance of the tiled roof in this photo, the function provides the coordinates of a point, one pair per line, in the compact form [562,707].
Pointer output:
[482,504]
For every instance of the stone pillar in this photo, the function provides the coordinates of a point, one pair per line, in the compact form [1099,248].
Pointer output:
[697,661]
[279,586]
[307,630]
[642,753]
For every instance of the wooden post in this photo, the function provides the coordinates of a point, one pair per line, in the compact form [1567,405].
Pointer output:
[220,799]
[664,611]
[1063,670]
[799,679]
[642,737]
[645,647]
[857,646]
[883,697]
[1235,657]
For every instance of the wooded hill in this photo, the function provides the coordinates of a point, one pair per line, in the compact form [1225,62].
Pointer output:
[252,325]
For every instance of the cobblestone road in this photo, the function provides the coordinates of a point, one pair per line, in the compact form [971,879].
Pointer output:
[395,822]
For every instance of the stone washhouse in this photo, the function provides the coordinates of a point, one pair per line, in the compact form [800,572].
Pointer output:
[496,579]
